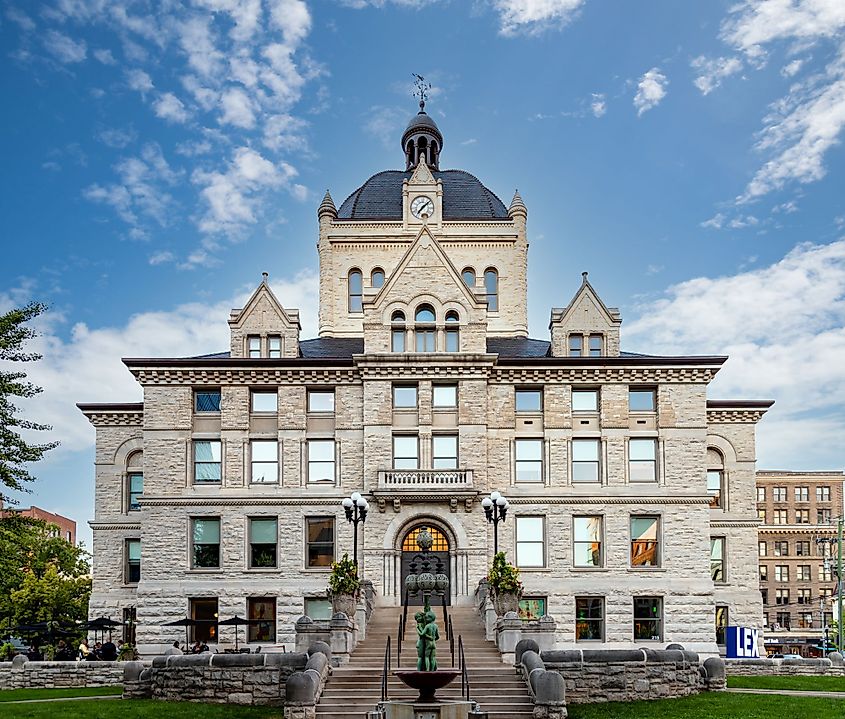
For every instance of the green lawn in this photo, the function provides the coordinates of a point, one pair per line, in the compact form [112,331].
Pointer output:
[13,695]
[805,684]
[714,705]
[136,709]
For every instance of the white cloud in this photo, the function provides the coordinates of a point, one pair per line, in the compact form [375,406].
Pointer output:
[386,123]
[292,18]
[598,105]
[20,18]
[139,81]
[116,137]
[792,68]
[534,16]
[716,222]
[63,48]
[104,56]
[169,107]
[783,327]
[198,42]
[238,108]
[651,89]
[711,71]
[162,257]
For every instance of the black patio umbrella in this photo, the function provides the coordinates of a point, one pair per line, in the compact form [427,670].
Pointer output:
[186,622]
[101,624]
[236,622]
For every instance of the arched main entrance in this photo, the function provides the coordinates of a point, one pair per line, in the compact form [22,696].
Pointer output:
[439,551]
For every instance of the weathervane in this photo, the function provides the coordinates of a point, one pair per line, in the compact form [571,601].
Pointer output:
[421,91]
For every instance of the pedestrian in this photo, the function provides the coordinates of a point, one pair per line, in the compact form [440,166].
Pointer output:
[174,649]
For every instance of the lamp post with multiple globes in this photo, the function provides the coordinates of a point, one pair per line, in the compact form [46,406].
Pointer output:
[356,508]
[496,509]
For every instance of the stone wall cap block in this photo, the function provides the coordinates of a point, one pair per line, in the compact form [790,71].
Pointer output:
[525,645]
[237,660]
[132,671]
[296,660]
[19,661]
[562,656]
[299,689]
[190,660]
[715,667]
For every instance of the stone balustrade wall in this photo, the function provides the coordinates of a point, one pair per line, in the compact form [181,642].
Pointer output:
[830,666]
[23,674]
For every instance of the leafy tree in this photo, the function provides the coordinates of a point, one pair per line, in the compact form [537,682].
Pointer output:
[52,597]
[15,452]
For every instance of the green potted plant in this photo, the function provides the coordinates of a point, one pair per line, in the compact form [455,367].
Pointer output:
[503,585]
[344,587]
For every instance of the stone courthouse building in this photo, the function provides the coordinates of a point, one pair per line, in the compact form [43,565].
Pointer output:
[632,514]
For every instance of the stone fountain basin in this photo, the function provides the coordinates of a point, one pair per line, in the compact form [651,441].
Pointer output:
[427,683]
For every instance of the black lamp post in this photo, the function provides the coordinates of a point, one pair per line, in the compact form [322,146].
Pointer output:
[356,511]
[496,509]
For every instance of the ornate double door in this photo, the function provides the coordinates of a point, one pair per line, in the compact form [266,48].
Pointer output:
[439,556]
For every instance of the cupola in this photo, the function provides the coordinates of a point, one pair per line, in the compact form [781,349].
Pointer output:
[422,138]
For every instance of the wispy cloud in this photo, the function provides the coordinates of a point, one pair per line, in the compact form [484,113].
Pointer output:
[534,16]
[651,89]
[711,71]
[169,107]
[63,48]
[598,105]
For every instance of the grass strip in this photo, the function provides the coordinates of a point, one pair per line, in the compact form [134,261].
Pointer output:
[15,695]
[793,683]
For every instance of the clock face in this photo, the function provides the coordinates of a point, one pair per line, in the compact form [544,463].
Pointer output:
[422,206]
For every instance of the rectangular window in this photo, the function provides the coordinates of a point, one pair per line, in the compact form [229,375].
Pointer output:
[576,345]
[587,535]
[404,396]
[529,400]
[130,622]
[205,613]
[717,559]
[274,347]
[764,572]
[826,574]
[781,572]
[529,460]
[321,457]
[802,549]
[784,620]
[802,516]
[207,400]
[264,401]
[321,401]
[530,549]
[761,514]
[261,612]
[805,620]
[320,534]
[643,460]
[802,494]
[780,516]
[207,461]
[453,338]
[264,454]
[589,619]
[136,489]
[263,542]
[317,608]
[444,396]
[205,540]
[805,596]
[645,541]
[802,573]
[532,608]
[397,340]
[781,548]
[406,451]
[822,494]
[779,494]
[721,624]
[133,561]
[714,488]
[761,494]
[585,460]
[254,346]
[596,342]
[585,400]
[648,618]
[425,339]
[444,451]
[642,400]
[823,516]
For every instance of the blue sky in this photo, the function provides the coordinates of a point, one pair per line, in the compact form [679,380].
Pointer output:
[159,156]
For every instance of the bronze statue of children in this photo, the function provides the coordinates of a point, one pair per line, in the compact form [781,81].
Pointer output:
[429,634]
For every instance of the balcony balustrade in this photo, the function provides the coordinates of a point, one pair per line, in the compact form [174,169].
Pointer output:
[445,479]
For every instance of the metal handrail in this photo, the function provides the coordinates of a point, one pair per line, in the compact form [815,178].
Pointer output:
[450,633]
[445,614]
[403,622]
[385,670]
[462,663]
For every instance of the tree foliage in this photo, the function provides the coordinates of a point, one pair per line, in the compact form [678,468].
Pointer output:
[15,451]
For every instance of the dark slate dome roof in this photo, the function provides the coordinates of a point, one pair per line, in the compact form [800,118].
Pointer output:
[464,198]
[422,121]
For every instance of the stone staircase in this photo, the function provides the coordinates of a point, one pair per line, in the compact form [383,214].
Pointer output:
[355,688]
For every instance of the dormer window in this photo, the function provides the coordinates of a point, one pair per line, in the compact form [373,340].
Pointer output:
[397,331]
[356,291]
[491,287]
[453,333]
[274,347]
[377,278]
[424,331]
[253,343]
[596,345]
[576,345]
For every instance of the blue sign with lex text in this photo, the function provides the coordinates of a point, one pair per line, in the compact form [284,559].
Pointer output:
[742,643]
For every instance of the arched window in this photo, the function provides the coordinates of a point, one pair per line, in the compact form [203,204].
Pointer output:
[356,291]
[424,330]
[716,478]
[491,287]
[134,480]
[453,336]
[377,277]
[397,331]
[469,277]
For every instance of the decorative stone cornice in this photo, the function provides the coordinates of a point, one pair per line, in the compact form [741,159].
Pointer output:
[796,529]
[132,526]
[598,374]
[747,523]
[244,375]
[376,366]
[236,501]
[114,415]
[569,499]
[734,416]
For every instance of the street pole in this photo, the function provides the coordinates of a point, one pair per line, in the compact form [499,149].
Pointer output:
[839,581]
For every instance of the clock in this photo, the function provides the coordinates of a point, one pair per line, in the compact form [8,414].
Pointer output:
[422,206]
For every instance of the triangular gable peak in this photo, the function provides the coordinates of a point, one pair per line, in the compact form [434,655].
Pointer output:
[586,327]
[425,276]
[263,327]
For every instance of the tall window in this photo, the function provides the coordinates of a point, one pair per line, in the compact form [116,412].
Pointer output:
[645,541]
[264,402]
[205,540]
[397,331]
[404,396]
[717,559]
[491,287]
[356,291]
[321,401]
[781,572]
[444,396]
[803,573]
[530,542]
[589,619]
[274,347]
[779,494]
[585,400]
[585,460]
[136,489]
[207,400]
[764,572]
[529,460]
[205,613]
[453,332]
[781,547]
[263,541]
[320,536]
[761,549]
[596,345]
[780,517]
[444,451]
[261,612]
[133,561]
[642,400]
[648,618]
[802,494]
[587,534]
[643,460]
[802,548]
[321,457]
[468,276]
[823,516]
[822,494]
[576,345]
[805,596]
[406,451]
[721,624]
[714,487]
[761,494]
[781,595]
[424,331]
[253,343]
[377,278]
[207,461]
[264,454]
[528,400]
[802,516]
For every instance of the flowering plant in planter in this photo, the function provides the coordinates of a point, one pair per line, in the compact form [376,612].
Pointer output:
[344,586]
[503,585]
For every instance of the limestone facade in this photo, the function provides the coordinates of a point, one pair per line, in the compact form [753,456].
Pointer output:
[424,392]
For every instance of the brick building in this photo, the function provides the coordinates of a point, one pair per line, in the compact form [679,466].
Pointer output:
[61,526]
[632,496]
[797,578]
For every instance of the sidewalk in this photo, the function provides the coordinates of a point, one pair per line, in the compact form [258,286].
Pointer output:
[790,693]
[61,699]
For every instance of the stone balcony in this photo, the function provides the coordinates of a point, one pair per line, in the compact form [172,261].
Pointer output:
[444,479]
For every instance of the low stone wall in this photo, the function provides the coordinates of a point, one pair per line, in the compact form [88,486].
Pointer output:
[23,674]
[831,666]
